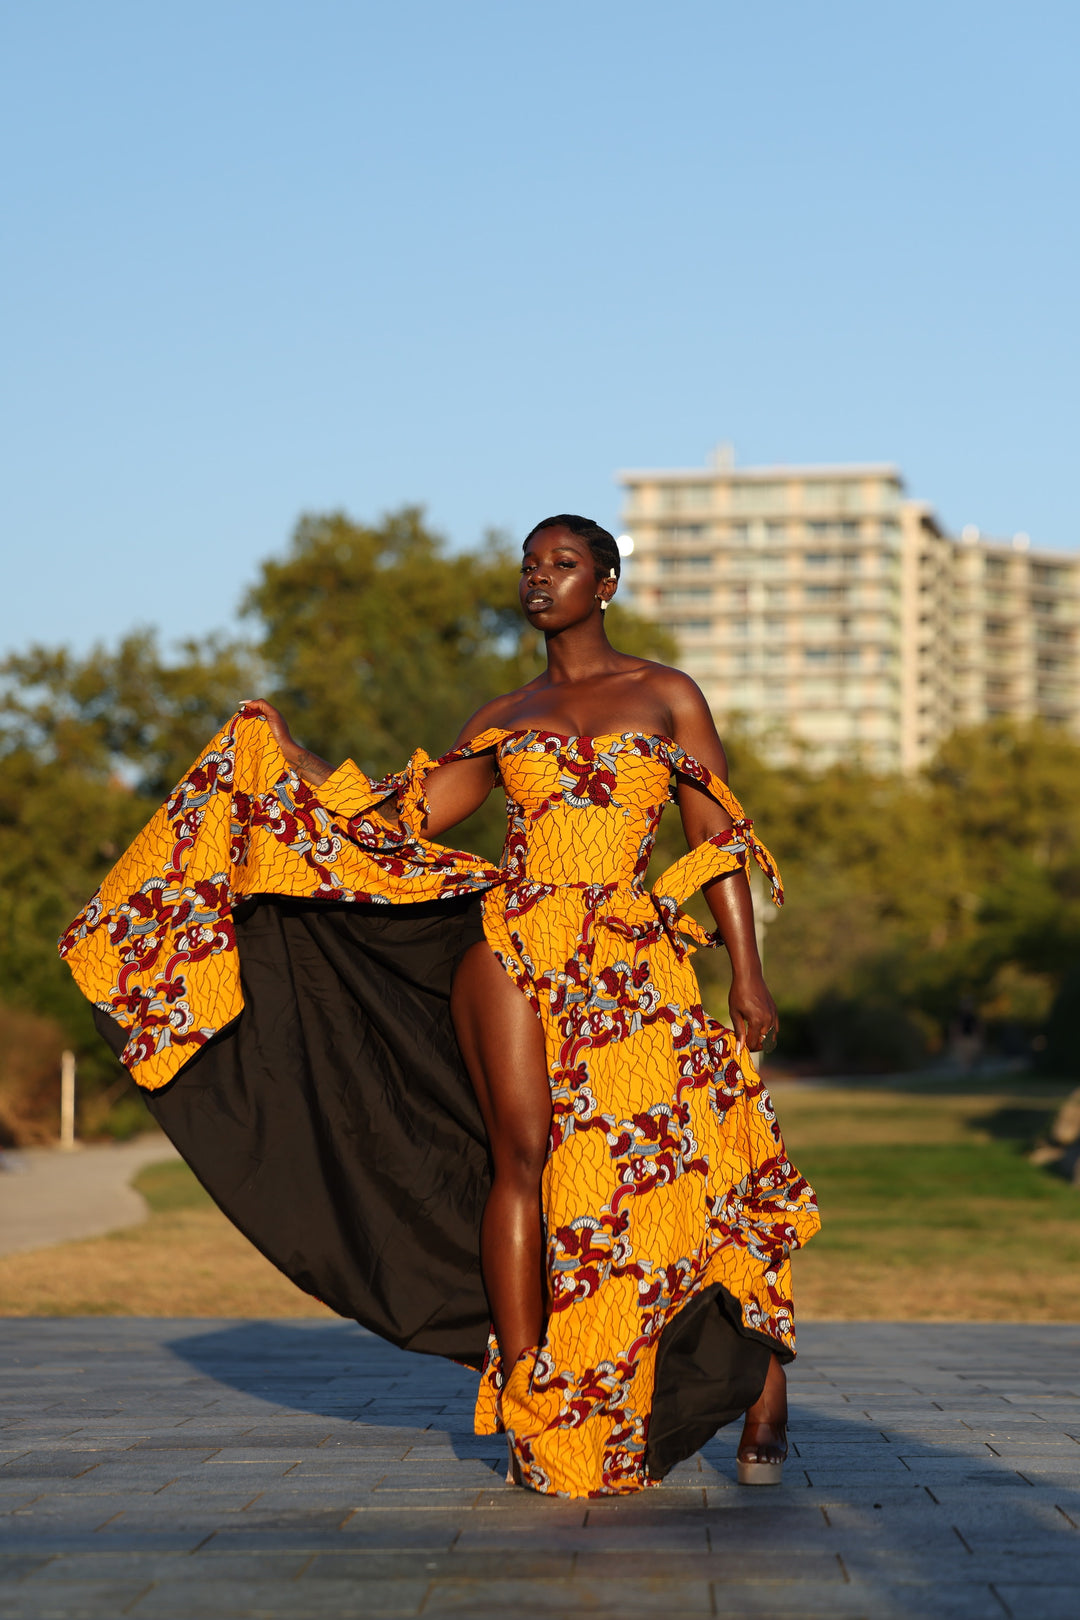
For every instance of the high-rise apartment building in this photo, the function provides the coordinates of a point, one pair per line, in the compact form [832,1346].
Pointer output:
[820,603]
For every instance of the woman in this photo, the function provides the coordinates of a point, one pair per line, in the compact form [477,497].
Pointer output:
[635,1237]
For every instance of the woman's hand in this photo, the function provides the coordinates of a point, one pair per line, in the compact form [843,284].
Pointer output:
[753,1012]
[278,729]
[310,766]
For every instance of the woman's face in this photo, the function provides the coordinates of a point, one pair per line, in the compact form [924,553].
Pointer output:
[559,586]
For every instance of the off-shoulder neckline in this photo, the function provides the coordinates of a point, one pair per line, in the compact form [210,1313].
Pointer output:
[599,736]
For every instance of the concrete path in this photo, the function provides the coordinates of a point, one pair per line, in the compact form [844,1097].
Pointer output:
[210,1470]
[47,1196]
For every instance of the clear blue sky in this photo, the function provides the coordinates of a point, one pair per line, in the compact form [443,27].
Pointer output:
[265,257]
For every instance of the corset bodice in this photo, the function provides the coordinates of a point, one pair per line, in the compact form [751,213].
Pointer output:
[582,810]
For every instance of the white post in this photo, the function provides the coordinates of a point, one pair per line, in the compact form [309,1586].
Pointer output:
[67,1100]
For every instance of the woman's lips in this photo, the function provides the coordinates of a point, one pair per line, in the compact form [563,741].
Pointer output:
[536,601]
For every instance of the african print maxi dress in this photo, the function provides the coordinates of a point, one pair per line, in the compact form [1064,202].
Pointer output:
[273,963]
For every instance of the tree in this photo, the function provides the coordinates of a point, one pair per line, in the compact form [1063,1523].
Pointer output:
[379,640]
[374,639]
[132,714]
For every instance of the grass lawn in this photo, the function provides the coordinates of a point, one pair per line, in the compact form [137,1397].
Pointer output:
[930,1210]
[929,1206]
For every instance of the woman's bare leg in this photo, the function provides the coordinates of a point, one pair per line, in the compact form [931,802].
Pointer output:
[502,1042]
[764,1436]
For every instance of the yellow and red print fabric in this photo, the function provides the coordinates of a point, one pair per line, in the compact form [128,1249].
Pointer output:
[666,1172]
[155,947]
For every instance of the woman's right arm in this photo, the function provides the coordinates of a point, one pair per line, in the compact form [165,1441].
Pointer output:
[452,791]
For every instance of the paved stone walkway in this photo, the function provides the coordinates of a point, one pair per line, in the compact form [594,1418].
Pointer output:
[47,1196]
[206,1470]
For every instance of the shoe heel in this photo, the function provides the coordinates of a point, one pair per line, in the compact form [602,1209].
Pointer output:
[760,1473]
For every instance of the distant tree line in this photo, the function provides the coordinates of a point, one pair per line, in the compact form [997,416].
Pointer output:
[917,905]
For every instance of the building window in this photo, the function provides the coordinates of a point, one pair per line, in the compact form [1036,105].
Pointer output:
[689,593]
[819,559]
[685,497]
[775,532]
[681,531]
[824,496]
[759,497]
[686,564]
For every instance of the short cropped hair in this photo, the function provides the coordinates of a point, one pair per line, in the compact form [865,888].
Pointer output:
[603,545]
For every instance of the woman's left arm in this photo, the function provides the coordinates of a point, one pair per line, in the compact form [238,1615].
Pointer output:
[753,1011]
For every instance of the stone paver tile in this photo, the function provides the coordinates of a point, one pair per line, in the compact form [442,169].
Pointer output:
[1026,1511]
[665,1594]
[378,1563]
[1047,1602]
[811,1600]
[82,1600]
[167,1567]
[394,1496]
[782,1561]
[50,1465]
[664,1536]
[224,1600]
[347,1531]
[18,1566]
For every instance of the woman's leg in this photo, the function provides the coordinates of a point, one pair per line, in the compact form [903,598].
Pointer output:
[764,1436]
[502,1042]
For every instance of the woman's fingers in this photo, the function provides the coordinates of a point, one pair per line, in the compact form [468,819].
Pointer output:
[755,1026]
[274,719]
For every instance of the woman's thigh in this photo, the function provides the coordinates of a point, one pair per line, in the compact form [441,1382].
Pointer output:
[502,1041]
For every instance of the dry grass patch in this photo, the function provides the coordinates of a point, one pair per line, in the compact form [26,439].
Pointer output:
[186,1259]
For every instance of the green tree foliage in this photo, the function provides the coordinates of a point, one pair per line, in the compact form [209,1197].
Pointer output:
[130,714]
[88,747]
[380,641]
[909,898]
[373,639]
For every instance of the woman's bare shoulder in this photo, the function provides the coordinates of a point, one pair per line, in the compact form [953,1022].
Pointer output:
[496,715]
[677,690]
[690,720]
